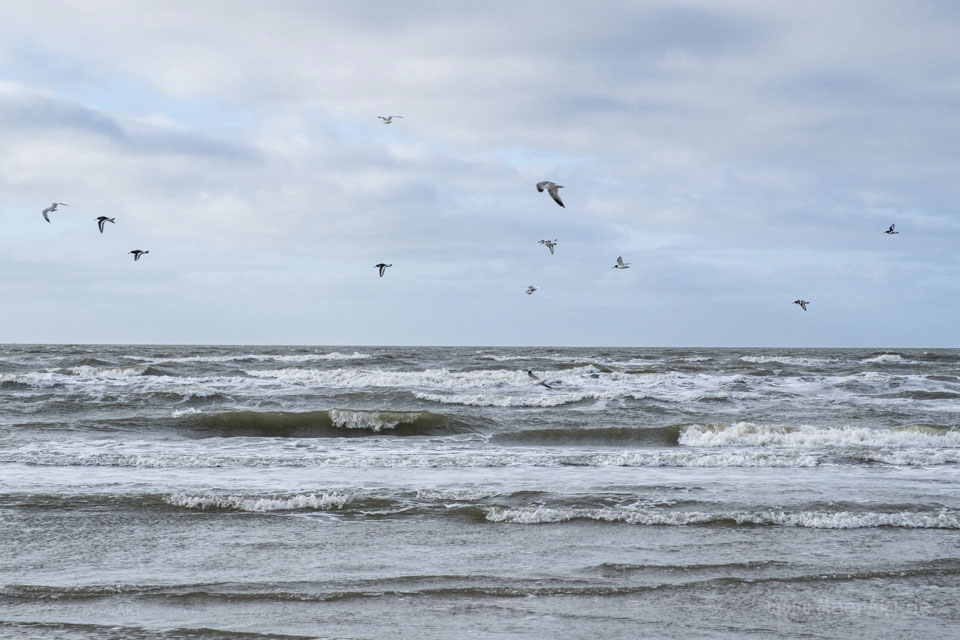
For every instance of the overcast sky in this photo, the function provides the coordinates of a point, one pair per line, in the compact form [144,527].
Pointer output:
[739,154]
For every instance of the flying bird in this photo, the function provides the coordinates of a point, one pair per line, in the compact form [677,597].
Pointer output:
[549,244]
[803,303]
[551,188]
[536,380]
[531,289]
[388,119]
[103,219]
[382,267]
[891,231]
[621,264]
[137,253]
[51,209]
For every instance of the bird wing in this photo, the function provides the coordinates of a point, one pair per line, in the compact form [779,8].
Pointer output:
[556,196]
[550,246]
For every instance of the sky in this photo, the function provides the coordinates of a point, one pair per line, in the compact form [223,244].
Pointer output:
[738,154]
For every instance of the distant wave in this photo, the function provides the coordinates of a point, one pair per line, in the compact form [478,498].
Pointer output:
[267,357]
[318,424]
[791,360]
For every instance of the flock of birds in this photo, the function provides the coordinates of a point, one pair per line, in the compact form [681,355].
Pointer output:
[101,221]
[552,189]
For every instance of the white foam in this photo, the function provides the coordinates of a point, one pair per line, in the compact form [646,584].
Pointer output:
[886,358]
[262,504]
[792,360]
[810,519]
[747,434]
[369,420]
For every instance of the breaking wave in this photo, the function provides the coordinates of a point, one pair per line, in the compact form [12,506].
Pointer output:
[320,424]
[945,519]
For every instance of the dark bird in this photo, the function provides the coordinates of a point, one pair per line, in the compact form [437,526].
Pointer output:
[551,188]
[137,253]
[803,303]
[103,219]
[549,244]
[531,289]
[382,267]
[51,209]
[891,231]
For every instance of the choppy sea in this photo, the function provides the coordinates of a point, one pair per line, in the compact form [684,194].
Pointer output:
[156,492]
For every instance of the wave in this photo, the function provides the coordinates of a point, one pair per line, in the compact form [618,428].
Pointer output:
[791,360]
[320,424]
[262,504]
[885,358]
[747,434]
[945,519]
[614,436]
[267,357]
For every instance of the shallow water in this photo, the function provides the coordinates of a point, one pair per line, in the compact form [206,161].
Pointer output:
[359,492]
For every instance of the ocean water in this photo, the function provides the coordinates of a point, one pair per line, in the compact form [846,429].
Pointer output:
[152,492]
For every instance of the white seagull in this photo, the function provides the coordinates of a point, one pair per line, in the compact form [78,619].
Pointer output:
[103,219]
[388,119]
[137,253]
[531,289]
[803,303]
[551,188]
[891,231]
[536,380]
[51,209]
[549,244]
[621,264]
[382,267]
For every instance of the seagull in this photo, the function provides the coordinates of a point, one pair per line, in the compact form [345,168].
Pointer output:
[549,244]
[621,264]
[803,303]
[51,209]
[531,289]
[537,380]
[552,190]
[137,253]
[891,231]
[103,219]
[382,267]
[388,119]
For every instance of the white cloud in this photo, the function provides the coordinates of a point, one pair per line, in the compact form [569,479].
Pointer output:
[731,149]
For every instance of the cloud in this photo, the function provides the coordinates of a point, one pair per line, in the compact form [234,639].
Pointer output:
[736,149]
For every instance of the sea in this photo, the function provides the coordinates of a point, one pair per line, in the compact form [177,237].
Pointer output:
[159,492]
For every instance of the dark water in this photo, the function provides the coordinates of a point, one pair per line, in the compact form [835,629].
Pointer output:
[245,492]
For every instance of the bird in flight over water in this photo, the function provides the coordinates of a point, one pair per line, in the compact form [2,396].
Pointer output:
[549,244]
[531,289]
[382,267]
[103,219]
[51,209]
[891,231]
[536,380]
[803,303]
[621,264]
[551,188]
[137,253]
[388,119]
